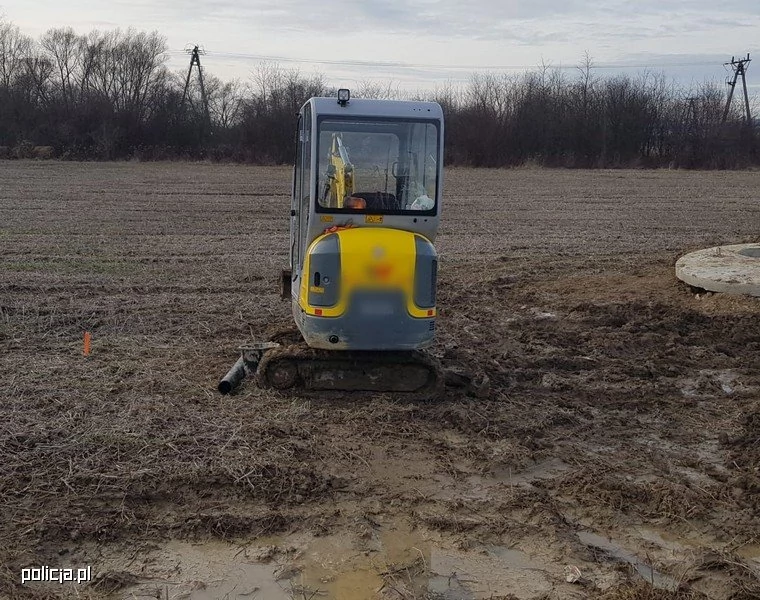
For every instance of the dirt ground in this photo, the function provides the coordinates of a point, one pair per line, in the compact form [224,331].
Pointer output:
[617,456]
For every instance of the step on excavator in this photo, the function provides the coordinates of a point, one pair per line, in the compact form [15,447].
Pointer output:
[365,209]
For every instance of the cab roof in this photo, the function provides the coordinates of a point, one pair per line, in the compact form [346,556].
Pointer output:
[362,107]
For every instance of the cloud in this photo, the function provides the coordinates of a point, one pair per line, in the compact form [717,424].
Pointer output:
[446,18]
[610,23]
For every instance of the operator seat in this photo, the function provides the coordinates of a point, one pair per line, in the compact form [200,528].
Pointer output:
[379,200]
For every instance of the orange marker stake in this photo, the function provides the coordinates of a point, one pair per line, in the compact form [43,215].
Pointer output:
[87,338]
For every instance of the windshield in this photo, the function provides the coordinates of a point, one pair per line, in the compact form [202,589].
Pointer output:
[379,166]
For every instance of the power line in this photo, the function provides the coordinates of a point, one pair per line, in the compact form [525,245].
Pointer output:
[406,65]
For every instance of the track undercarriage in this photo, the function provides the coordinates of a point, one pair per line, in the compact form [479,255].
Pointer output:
[288,363]
[298,366]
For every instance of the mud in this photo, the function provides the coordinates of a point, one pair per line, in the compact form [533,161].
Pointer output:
[615,456]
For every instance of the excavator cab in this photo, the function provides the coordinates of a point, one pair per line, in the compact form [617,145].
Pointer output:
[365,208]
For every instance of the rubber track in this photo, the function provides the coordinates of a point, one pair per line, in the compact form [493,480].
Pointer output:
[312,358]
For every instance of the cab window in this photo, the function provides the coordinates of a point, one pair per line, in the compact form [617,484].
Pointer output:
[382,166]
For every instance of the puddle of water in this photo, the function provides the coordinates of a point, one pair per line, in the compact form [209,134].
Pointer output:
[545,469]
[515,559]
[205,572]
[749,552]
[344,566]
[448,588]
[664,539]
[399,544]
[646,572]
[480,487]
[414,563]
[362,584]
[496,571]
[332,567]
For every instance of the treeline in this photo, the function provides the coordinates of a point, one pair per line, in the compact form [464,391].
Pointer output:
[550,118]
[109,95]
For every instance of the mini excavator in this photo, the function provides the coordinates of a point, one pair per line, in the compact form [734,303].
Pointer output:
[365,208]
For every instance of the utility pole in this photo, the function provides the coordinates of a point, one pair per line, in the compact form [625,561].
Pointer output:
[195,60]
[740,68]
[692,115]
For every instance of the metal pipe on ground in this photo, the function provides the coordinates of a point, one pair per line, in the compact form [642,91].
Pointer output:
[233,377]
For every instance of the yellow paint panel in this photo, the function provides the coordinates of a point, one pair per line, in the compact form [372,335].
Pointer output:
[371,259]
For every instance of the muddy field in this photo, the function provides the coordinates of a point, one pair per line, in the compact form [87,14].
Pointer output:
[617,456]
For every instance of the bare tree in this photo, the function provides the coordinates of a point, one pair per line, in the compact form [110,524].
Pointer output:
[14,48]
[90,50]
[62,49]
[384,90]
[38,71]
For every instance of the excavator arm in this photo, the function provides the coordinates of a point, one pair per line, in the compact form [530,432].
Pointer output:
[339,180]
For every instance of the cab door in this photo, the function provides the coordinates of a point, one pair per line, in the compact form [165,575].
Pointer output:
[295,201]
[298,216]
[305,208]
[301,200]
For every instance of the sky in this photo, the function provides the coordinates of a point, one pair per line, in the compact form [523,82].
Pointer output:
[422,44]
